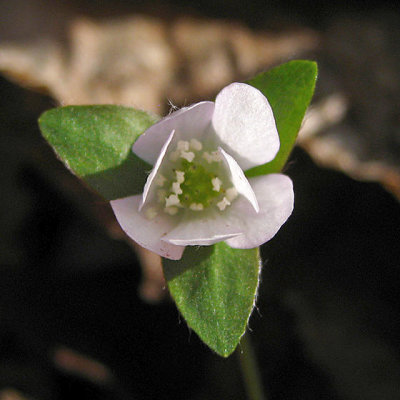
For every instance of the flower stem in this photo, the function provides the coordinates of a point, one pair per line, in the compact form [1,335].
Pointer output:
[250,372]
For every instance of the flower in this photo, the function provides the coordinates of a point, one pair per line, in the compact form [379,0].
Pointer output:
[197,192]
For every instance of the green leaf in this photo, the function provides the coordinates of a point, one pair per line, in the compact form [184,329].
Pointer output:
[289,89]
[214,288]
[95,143]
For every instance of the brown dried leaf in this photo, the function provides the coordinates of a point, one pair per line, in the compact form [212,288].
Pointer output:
[358,132]
[141,61]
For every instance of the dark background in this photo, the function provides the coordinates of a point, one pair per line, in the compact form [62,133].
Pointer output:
[327,320]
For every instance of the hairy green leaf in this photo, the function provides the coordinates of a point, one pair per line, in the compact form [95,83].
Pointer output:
[214,287]
[95,143]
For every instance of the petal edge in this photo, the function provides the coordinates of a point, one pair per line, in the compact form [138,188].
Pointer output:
[192,121]
[244,122]
[276,199]
[147,233]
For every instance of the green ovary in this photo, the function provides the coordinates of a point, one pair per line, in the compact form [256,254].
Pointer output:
[197,187]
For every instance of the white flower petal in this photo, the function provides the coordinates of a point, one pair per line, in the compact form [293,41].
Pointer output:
[190,122]
[205,230]
[275,196]
[153,173]
[244,122]
[239,180]
[147,233]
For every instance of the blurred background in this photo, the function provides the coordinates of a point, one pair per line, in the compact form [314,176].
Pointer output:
[80,317]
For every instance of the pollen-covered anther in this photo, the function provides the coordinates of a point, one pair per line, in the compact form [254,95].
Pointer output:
[231,194]
[196,207]
[180,176]
[172,200]
[176,188]
[171,210]
[195,145]
[187,155]
[214,156]
[223,204]
[182,145]
[216,183]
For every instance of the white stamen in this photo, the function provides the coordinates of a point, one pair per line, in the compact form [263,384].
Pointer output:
[182,145]
[161,195]
[150,213]
[223,203]
[172,200]
[214,156]
[176,188]
[196,206]
[216,182]
[180,176]
[187,155]
[171,210]
[159,180]
[195,144]
[231,193]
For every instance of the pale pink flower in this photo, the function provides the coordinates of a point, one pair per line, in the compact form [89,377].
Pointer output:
[197,193]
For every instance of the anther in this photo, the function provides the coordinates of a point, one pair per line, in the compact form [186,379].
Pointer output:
[223,203]
[182,145]
[176,188]
[196,207]
[187,155]
[216,182]
[171,210]
[195,144]
[180,176]
[172,200]
[215,156]
[231,193]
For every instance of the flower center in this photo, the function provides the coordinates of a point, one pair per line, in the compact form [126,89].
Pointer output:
[198,185]
[192,179]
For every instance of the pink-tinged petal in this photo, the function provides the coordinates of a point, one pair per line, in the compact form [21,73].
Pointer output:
[275,196]
[202,230]
[239,180]
[187,122]
[153,173]
[147,233]
[244,122]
